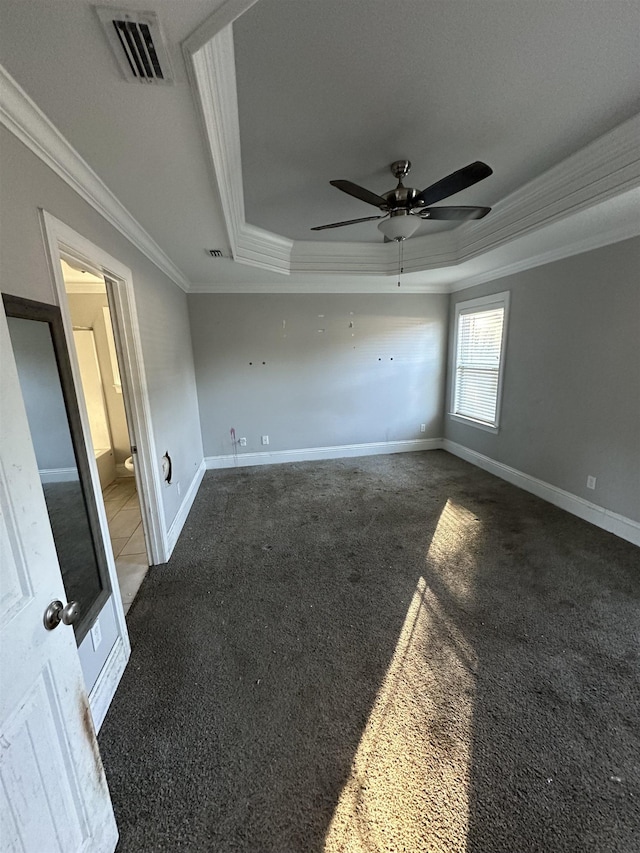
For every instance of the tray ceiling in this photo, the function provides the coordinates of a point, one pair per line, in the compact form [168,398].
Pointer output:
[328,90]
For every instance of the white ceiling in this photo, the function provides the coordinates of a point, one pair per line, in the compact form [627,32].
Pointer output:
[329,89]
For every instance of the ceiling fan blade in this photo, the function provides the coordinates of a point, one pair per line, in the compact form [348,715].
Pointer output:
[454,183]
[361,193]
[459,213]
[346,222]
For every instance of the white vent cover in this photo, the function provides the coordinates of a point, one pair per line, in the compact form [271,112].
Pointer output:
[138,43]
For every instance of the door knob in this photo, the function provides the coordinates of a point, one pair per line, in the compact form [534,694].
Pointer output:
[56,613]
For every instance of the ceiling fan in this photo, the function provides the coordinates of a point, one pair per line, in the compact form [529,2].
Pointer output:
[404,207]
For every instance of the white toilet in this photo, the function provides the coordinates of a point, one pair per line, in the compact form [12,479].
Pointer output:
[128,464]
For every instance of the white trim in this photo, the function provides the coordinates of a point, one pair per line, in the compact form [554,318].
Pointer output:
[135,396]
[471,422]
[107,681]
[612,522]
[607,167]
[57,236]
[181,516]
[25,119]
[470,306]
[212,71]
[595,175]
[227,12]
[311,454]
[591,178]
[58,475]
[606,235]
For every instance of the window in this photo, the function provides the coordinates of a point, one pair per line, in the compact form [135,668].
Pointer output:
[480,333]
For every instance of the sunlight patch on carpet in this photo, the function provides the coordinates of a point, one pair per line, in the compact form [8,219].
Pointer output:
[408,785]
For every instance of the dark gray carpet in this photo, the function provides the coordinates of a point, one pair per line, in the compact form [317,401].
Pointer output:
[395,653]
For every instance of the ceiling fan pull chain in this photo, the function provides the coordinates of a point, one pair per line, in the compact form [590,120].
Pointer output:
[400,259]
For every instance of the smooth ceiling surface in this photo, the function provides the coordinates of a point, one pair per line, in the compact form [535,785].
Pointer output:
[338,89]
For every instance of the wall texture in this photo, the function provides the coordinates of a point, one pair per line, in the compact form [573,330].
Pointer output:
[318,370]
[571,400]
[28,184]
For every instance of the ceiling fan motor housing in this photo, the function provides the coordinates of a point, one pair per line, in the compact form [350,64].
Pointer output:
[401,200]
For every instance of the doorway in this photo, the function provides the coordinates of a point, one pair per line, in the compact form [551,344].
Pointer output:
[145,535]
[94,342]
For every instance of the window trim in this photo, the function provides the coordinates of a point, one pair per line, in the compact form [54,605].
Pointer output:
[470,306]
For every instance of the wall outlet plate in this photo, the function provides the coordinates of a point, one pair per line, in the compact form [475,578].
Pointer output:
[591,482]
[242,442]
[423,427]
[96,635]
[265,439]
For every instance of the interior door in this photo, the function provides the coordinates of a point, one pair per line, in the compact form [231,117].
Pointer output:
[53,791]
[65,459]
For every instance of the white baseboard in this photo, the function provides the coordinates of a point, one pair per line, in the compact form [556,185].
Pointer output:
[625,528]
[181,516]
[312,454]
[107,682]
[58,475]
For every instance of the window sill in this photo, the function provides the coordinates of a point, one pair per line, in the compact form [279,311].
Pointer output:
[478,424]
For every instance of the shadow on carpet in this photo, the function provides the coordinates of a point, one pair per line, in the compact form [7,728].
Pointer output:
[395,653]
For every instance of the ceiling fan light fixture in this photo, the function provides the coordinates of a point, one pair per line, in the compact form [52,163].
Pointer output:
[399,227]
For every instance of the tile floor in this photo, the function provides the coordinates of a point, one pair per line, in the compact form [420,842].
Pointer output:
[127,536]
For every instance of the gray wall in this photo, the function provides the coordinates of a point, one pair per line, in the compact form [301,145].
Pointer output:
[42,393]
[571,401]
[373,381]
[28,184]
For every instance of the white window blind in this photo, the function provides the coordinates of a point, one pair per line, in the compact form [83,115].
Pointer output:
[478,356]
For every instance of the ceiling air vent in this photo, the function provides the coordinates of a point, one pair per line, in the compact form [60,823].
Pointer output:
[138,43]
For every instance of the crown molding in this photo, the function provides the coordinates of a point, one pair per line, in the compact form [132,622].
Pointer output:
[606,237]
[420,254]
[601,225]
[601,171]
[212,71]
[263,249]
[227,12]
[22,116]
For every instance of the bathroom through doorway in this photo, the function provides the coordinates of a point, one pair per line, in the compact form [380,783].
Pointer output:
[93,336]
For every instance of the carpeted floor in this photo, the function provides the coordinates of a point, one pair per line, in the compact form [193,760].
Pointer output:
[394,653]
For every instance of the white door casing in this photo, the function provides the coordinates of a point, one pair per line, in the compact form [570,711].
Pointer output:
[53,791]
[119,281]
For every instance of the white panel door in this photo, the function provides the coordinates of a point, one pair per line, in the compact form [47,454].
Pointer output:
[53,791]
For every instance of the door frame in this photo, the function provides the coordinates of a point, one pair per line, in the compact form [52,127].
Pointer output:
[61,239]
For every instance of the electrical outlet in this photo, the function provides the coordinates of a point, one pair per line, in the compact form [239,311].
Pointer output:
[591,482]
[265,439]
[242,442]
[423,427]
[96,635]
